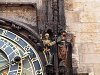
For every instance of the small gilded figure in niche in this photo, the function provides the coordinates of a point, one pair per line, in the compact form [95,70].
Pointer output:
[47,48]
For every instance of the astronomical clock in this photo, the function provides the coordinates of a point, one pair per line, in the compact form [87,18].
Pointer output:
[19,54]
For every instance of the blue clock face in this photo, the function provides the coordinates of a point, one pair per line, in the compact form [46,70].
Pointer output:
[17,56]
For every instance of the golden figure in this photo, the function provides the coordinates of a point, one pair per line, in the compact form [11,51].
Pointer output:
[47,44]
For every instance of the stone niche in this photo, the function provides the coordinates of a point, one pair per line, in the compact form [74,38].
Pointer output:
[22,12]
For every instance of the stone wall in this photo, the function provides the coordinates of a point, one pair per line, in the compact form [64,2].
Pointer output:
[39,6]
[82,19]
[39,2]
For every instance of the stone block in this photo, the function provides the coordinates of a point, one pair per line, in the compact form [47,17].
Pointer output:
[82,48]
[97,46]
[75,62]
[90,48]
[88,6]
[87,48]
[79,0]
[68,5]
[76,6]
[91,58]
[89,0]
[97,0]
[85,68]
[77,38]
[71,16]
[89,27]
[82,69]
[89,17]
[97,69]
[88,37]
[98,27]
[97,38]
[92,73]
[74,27]
[92,6]
[81,58]
[76,49]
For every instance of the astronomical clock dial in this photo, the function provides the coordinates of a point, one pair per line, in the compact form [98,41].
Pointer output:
[17,56]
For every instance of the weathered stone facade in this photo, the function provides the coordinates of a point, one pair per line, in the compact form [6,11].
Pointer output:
[82,19]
